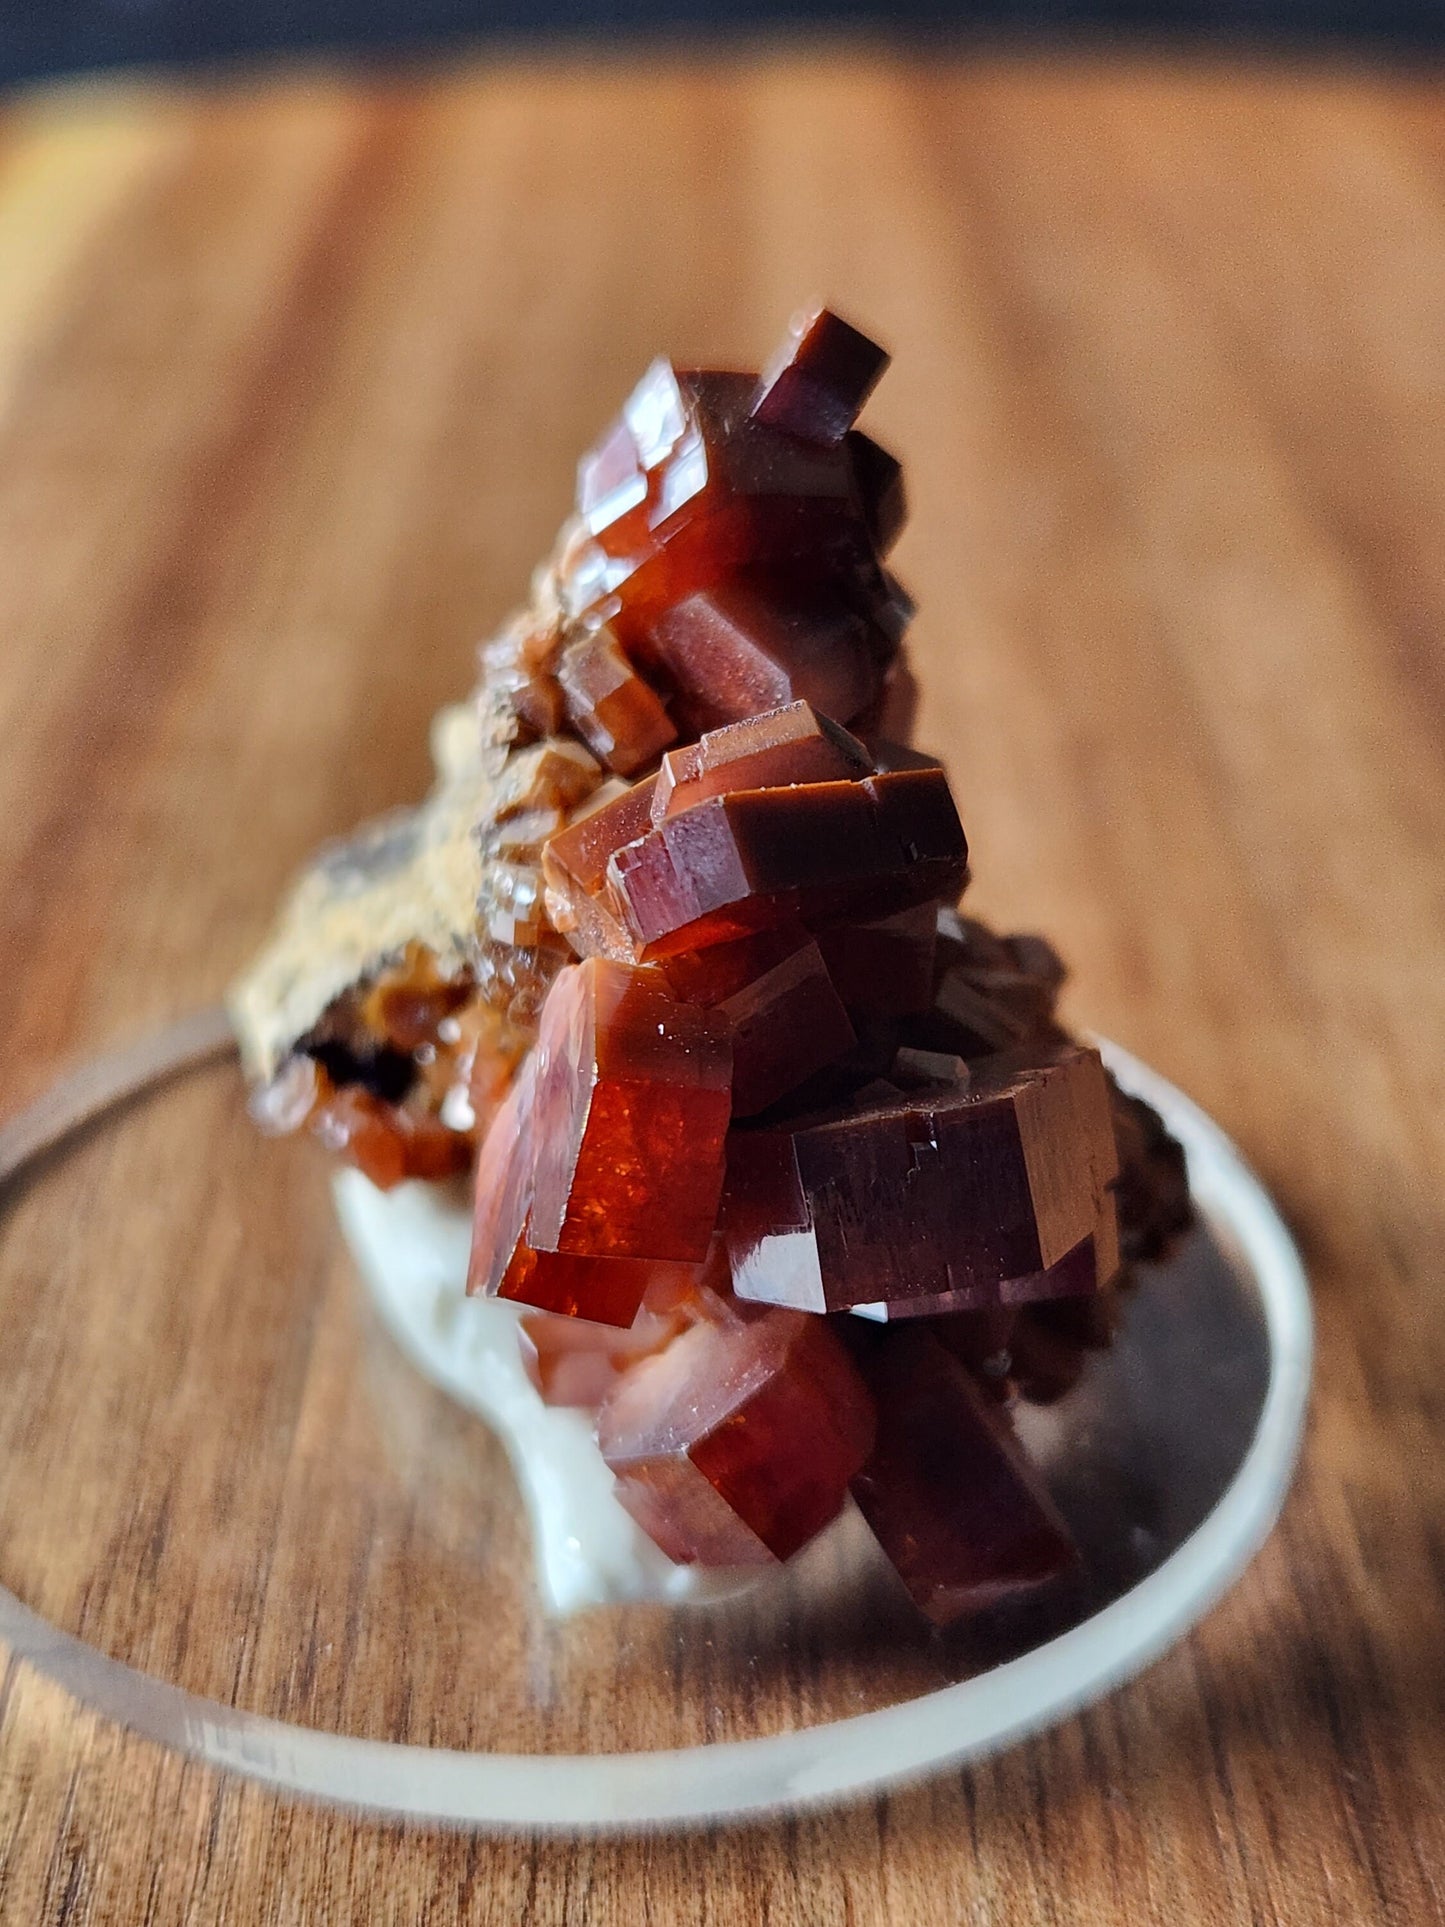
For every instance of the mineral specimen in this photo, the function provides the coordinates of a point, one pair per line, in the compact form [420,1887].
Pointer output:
[796,1173]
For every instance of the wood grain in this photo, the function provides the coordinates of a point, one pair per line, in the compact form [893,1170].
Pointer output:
[292,377]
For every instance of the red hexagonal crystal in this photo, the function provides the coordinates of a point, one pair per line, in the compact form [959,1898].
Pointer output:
[744,646]
[966,1198]
[631,1113]
[947,1491]
[787,1020]
[817,382]
[791,744]
[505,1263]
[711,490]
[822,851]
[730,533]
[735,1444]
[885,967]
[711,975]
[786,1024]
[618,715]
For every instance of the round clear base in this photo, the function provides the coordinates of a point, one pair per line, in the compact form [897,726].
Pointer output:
[236,1520]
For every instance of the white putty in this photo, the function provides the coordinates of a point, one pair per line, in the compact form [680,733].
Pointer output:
[411,1246]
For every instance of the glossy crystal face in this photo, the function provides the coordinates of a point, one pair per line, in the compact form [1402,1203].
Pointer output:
[633,1100]
[735,1444]
[990,1188]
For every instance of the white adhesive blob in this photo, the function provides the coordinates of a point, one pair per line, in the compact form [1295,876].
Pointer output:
[411,1245]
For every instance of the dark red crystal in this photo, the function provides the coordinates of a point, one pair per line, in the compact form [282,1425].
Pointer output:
[949,1199]
[820,851]
[881,492]
[817,382]
[773,988]
[786,1024]
[732,530]
[746,646]
[947,1491]
[1078,1274]
[886,967]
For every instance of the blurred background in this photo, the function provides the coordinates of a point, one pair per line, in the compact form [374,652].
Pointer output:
[307,308]
[73,35]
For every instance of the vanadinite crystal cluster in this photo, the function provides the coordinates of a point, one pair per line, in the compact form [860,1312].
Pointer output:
[796,1174]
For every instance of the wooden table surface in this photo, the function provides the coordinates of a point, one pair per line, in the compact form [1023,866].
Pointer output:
[292,378]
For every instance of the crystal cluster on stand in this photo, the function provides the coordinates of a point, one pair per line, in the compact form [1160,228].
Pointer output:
[798,1178]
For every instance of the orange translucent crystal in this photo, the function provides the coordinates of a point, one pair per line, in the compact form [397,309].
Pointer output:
[618,715]
[574,866]
[505,1263]
[631,1115]
[388,1142]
